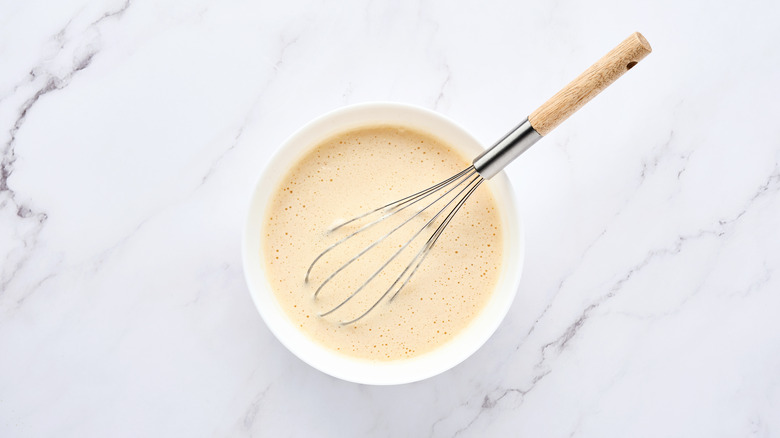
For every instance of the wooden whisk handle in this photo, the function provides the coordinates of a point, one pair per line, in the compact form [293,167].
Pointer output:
[590,83]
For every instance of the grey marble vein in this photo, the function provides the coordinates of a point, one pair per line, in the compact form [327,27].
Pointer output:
[252,411]
[115,13]
[659,153]
[9,153]
[215,164]
[771,186]
[443,87]
[563,282]
[489,402]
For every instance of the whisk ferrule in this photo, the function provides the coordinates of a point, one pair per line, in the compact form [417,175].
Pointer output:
[517,141]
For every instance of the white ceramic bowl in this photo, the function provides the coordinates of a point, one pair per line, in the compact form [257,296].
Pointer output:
[361,370]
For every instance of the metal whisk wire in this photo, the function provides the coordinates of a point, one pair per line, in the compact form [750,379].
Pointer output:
[470,176]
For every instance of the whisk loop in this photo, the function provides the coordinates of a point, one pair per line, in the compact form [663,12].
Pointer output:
[469,176]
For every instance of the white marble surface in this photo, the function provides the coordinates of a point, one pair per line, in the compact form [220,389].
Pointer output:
[132,132]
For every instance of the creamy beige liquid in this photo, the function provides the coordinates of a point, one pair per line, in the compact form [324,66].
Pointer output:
[350,174]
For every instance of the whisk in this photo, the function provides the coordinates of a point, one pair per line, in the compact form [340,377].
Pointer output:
[455,190]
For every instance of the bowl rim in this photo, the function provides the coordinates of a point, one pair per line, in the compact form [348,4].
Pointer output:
[358,370]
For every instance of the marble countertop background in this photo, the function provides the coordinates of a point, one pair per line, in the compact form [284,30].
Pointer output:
[132,132]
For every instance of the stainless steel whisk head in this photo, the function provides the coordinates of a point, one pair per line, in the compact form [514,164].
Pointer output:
[463,184]
[453,191]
